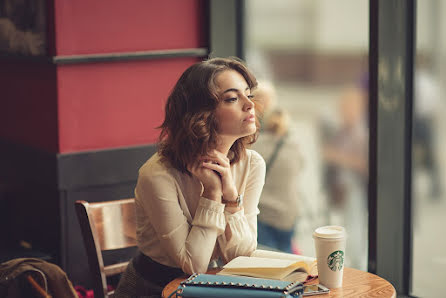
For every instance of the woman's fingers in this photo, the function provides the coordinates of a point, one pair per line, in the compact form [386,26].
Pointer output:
[220,167]
[220,163]
[217,157]
[213,166]
[217,154]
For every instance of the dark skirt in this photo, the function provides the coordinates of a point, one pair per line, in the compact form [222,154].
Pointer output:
[145,278]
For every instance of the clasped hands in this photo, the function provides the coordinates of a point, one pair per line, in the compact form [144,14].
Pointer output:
[214,171]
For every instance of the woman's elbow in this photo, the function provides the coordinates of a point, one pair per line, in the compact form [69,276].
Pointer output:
[195,266]
[201,268]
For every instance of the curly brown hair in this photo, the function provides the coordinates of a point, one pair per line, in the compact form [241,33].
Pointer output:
[190,128]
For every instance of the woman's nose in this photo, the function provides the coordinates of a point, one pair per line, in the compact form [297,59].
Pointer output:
[249,104]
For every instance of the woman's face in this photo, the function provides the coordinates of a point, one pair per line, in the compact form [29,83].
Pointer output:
[235,111]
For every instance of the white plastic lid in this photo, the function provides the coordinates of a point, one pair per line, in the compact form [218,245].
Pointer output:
[330,232]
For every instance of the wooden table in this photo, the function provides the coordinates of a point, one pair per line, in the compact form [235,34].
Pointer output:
[356,283]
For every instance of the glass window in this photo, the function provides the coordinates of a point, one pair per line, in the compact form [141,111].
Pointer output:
[428,158]
[310,58]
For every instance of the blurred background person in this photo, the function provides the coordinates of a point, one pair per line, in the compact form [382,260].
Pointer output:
[426,109]
[345,153]
[278,144]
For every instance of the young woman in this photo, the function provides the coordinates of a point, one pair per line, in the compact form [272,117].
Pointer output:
[197,197]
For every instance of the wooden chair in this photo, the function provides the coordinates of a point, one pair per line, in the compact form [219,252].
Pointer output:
[106,226]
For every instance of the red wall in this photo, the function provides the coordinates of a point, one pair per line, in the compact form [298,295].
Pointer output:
[114,104]
[89,106]
[85,27]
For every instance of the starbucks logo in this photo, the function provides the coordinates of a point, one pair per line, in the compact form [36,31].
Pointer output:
[335,260]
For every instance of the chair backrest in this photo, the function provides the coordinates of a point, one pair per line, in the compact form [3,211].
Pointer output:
[106,226]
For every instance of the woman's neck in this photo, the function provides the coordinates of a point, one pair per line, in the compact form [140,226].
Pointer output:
[224,144]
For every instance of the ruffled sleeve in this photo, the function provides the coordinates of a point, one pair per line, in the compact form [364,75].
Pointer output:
[243,239]
[210,214]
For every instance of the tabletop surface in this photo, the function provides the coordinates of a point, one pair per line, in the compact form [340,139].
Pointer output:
[355,283]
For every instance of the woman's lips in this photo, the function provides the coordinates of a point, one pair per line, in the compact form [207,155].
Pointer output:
[250,118]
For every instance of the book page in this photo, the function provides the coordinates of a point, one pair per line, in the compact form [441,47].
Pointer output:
[255,262]
[310,261]
[265,268]
[260,253]
[274,273]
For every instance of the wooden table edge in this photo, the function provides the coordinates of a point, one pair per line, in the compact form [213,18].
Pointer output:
[356,278]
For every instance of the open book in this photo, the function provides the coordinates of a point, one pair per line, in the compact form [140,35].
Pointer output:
[272,265]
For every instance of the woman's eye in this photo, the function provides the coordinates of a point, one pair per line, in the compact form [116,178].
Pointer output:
[251,96]
[232,99]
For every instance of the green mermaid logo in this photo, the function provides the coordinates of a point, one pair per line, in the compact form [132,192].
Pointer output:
[335,260]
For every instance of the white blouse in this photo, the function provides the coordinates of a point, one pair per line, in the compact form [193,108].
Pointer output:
[178,227]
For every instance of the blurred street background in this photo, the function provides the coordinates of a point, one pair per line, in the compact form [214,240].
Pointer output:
[315,54]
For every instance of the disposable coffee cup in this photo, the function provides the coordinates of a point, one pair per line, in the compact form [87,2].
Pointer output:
[330,243]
